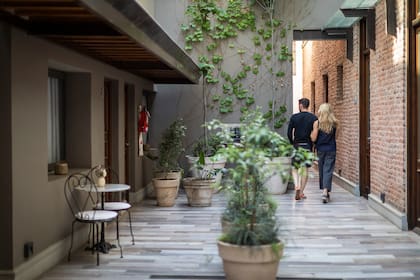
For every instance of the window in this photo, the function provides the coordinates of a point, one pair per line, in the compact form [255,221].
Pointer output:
[56,112]
[325,93]
[391,18]
[313,96]
[418,6]
[340,86]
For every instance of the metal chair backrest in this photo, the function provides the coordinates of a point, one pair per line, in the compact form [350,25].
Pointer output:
[81,193]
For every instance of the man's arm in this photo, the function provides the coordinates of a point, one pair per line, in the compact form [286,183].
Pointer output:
[290,131]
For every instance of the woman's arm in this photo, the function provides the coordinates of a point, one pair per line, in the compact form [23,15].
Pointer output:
[314,132]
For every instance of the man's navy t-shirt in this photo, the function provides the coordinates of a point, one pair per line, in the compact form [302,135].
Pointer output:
[302,123]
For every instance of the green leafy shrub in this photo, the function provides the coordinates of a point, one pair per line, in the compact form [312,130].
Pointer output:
[171,146]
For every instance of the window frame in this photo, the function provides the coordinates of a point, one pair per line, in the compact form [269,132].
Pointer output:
[56,74]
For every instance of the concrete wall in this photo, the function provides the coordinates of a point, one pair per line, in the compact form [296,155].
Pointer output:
[186,101]
[388,88]
[39,211]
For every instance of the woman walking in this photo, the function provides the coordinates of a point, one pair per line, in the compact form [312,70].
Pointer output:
[324,134]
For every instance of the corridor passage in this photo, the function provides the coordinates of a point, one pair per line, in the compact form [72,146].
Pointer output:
[343,239]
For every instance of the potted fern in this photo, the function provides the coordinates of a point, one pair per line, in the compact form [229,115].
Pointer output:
[168,173]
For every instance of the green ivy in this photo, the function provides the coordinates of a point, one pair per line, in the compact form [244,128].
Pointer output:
[212,23]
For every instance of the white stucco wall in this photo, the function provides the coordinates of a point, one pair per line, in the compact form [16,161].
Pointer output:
[188,99]
[40,212]
[148,5]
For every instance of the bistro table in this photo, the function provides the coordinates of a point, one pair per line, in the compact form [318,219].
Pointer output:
[104,246]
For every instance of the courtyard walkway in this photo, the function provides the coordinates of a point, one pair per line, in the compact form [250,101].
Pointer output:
[343,239]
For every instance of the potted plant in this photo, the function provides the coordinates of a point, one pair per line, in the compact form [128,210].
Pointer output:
[205,159]
[168,173]
[280,152]
[199,189]
[250,247]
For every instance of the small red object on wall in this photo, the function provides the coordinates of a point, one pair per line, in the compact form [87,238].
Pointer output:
[143,126]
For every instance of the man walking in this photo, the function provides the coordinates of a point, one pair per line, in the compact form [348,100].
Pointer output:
[299,134]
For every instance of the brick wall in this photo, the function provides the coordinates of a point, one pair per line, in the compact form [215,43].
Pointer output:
[322,58]
[388,64]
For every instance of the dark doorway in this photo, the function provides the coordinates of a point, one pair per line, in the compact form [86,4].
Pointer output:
[111,123]
[129,144]
[107,123]
[364,95]
[413,184]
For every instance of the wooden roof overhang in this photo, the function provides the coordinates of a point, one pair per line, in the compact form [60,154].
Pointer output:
[118,32]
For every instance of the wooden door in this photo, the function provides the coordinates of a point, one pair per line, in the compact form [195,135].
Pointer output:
[364,125]
[107,123]
[413,182]
[126,136]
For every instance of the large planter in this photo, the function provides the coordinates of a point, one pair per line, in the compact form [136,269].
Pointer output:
[226,225]
[250,262]
[151,191]
[280,167]
[166,191]
[209,164]
[199,191]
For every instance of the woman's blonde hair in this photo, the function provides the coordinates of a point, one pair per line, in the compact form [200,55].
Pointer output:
[326,118]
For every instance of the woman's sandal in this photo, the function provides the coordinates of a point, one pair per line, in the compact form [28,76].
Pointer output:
[302,196]
[324,198]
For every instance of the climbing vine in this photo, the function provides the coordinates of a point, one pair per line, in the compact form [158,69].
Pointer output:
[233,70]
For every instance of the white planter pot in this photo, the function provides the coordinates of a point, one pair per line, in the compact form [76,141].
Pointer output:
[249,262]
[208,164]
[199,191]
[280,167]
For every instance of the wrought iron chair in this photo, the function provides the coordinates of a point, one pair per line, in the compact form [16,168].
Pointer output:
[117,206]
[81,195]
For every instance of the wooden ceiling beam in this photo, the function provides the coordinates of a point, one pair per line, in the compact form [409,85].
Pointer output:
[92,38]
[140,65]
[49,8]
[89,27]
[72,28]
[37,3]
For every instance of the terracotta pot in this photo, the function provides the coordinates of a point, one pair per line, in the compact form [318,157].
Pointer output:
[166,191]
[250,262]
[151,192]
[199,191]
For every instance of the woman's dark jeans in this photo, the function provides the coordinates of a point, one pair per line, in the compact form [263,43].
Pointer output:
[326,163]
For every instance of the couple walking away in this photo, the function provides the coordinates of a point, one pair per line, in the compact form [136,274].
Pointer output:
[305,130]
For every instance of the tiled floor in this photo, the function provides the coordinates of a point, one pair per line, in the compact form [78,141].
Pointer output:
[343,239]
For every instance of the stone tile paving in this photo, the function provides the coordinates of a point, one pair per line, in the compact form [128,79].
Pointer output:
[343,239]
